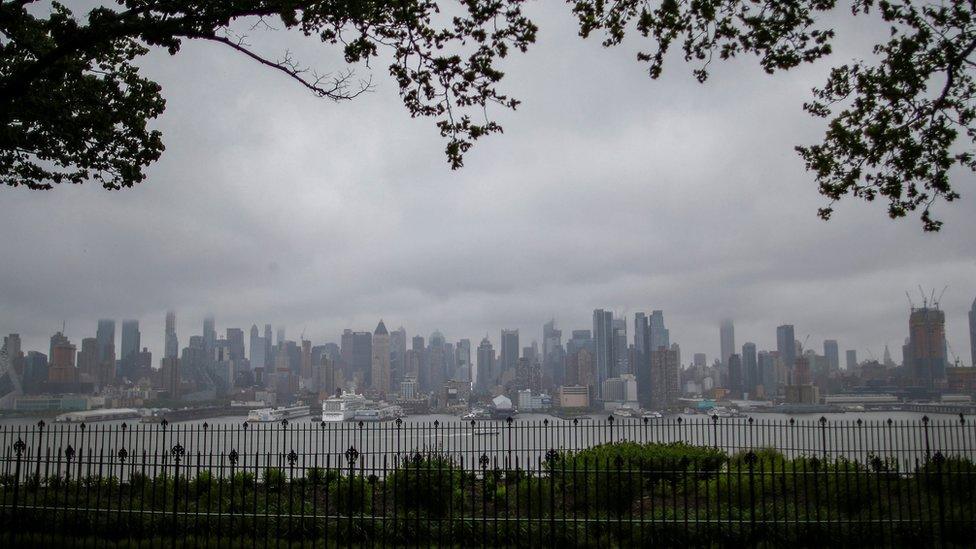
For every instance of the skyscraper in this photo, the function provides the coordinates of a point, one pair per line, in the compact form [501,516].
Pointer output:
[832,354]
[603,339]
[727,340]
[926,359]
[642,359]
[786,346]
[660,335]
[258,353]
[972,333]
[268,347]
[486,366]
[508,360]
[235,341]
[851,359]
[664,378]
[130,339]
[381,359]
[398,356]
[209,337]
[735,375]
[750,369]
[463,354]
[106,340]
[621,364]
[171,342]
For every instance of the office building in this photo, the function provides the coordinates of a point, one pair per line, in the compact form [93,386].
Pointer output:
[381,359]
[603,340]
[727,340]
[832,354]
[786,346]
[926,350]
[485,371]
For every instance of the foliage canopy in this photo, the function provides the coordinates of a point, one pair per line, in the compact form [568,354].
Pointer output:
[74,106]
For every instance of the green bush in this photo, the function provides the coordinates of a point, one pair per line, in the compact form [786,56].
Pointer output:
[430,484]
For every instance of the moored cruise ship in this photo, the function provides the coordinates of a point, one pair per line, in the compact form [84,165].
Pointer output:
[343,407]
[353,407]
[265,415]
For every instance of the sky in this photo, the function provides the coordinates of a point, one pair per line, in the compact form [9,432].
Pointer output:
[607,189]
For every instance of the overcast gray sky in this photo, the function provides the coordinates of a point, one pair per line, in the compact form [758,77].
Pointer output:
[608,189]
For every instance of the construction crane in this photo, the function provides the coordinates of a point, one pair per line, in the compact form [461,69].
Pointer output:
[938,301]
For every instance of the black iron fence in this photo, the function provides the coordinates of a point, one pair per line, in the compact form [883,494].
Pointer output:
[608,482]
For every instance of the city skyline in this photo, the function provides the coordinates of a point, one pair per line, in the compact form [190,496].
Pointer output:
[830,347]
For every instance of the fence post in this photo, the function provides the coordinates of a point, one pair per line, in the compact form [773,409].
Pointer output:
[715,431]
[925,427]
[610,421]
[823,435]
[178,451]
[19,448]
[352,454]
[939,460]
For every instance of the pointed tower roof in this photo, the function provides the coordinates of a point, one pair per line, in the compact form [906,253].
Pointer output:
[380,329]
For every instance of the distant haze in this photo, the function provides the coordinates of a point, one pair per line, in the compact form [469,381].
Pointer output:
[607,190]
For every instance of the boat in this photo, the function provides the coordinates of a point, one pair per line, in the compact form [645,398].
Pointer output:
[105,414]
[378,412]
[485,431]
[267,415]
[343,407]
[651,414]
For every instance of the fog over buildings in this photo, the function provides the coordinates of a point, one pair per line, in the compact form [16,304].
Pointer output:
[607,190]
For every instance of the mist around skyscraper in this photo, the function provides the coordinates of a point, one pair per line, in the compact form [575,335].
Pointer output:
[618,362]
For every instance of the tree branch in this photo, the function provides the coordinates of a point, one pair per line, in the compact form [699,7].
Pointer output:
[336,92]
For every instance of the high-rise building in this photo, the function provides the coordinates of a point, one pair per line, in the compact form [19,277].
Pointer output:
[786,346]
[620,363]
[171,342]
[750,369]
[727,337]
[268,348]
[972,333]
[851,359]
[130,339]
[106,340]
[485,373]
[832,354]
[664,378]
[642,359]
[926,349]
[553,353]
[508,359]
[235,342]
[209,337]
[766,373]
[258,353]
[699,360]
[660,335]
[398,356]
[381,359]
[62,366]
[735,383]
[603,339]
[88,358]
[463,353]
[305,370]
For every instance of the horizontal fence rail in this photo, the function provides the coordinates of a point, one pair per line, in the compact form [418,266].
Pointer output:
[606,482]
